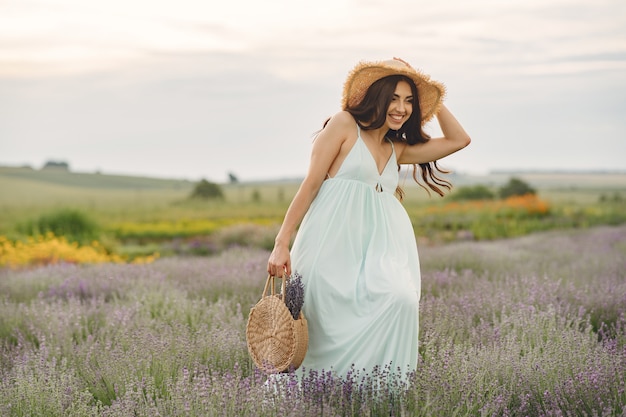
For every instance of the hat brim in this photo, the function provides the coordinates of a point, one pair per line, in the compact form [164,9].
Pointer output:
[364,74]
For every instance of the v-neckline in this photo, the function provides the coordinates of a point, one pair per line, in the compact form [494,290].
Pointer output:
[379,172]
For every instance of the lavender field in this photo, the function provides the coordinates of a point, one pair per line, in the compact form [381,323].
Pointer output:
[534,326]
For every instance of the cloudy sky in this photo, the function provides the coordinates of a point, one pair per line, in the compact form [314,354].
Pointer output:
[199,88]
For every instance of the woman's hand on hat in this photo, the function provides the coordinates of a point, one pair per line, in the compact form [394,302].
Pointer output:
[403,61]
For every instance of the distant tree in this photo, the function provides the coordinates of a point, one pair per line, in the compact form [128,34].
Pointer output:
[61,165]
[207,191]
[256,196]
[232,178]
[475,192]
[516,186]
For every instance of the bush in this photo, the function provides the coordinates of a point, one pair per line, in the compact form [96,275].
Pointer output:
[207,191]
[256,196]
[615,198]
[476,192]
[73,224]
[514,187]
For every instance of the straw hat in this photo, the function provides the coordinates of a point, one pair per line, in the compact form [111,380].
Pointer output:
[431,92]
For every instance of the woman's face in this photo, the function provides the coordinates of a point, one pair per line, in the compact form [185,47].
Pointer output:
[401,106]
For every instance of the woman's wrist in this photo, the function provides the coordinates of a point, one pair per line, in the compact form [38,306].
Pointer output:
[280,241]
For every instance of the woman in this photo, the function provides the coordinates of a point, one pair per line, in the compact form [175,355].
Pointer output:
[355,246]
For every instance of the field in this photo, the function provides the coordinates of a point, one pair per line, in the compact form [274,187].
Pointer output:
[532,326]
[137,212]
[522,311]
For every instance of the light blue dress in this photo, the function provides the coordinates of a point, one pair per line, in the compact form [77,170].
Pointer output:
[357,255]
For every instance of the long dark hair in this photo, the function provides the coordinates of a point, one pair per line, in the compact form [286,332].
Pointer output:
[372,111]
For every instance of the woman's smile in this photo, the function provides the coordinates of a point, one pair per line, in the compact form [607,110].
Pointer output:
[399,118]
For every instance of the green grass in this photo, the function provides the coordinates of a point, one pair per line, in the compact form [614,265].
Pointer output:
[23,198]
[27,194]
[89,180]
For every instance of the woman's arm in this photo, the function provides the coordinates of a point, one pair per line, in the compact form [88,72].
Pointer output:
[454,138]
[325,149]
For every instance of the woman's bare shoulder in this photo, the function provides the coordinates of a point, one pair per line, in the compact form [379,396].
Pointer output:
[342,119]
[338,127]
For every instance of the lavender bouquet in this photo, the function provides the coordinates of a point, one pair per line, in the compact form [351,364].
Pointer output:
[294,294]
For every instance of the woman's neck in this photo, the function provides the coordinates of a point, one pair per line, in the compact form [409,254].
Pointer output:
[376,135]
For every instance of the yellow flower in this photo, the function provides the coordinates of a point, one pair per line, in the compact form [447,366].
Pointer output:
[51,249]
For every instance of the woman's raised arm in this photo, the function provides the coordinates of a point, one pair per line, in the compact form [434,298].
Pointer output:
[454,138]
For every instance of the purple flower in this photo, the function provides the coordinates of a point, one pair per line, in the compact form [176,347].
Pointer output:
[294,294]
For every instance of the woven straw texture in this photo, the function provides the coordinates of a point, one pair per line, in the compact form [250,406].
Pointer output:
[276,342]
[364,74]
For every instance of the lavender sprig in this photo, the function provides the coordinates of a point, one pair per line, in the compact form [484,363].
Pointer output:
[294,294]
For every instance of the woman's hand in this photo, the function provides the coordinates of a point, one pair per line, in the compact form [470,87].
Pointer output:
[279,263]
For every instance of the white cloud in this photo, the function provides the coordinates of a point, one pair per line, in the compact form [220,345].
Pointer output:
[75,36]
[231,82]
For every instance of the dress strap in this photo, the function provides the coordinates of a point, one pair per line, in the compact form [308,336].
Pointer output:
[358,130]
[393,148]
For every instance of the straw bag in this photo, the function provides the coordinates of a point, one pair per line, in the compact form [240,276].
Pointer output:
[276,342]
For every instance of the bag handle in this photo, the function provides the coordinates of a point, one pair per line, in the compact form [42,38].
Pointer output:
[271,284]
